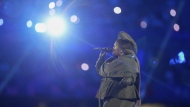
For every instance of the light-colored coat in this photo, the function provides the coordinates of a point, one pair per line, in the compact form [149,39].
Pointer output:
[120,77]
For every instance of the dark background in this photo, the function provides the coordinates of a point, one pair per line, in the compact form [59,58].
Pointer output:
[40,71]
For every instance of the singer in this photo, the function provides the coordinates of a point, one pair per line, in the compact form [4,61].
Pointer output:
[120,84]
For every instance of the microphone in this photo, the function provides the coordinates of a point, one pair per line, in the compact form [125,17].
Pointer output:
[107,49]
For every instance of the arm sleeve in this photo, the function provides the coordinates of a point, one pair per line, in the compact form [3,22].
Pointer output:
[122,68]
[130,80]
[99,63]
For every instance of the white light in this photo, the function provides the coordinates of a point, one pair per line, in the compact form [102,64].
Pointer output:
[172,12]
[117,10]
[52,12]
[51,5]
[176,27]
[55,26]
[40,27]
[74,19]
[143,24]
[84,66]
[59,3]
[1,22]
[29,24]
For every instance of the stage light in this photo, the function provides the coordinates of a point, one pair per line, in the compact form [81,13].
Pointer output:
[143,24]
[55,26]
[29,23]
[117,10]
[59,3]
[51,11]
[176,27]
[40,27]
[51,5]
[85,67]
[179,60]
[74,19]
[154,62]
[172,12]
[181,57]
[1,22]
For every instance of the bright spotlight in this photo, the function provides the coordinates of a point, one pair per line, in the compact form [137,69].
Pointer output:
[117,10]
[51,5]
[29,23]
[1,22]
[84,66]
[40,27]
[55,26]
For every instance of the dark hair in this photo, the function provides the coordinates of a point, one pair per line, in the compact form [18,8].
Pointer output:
[126,46]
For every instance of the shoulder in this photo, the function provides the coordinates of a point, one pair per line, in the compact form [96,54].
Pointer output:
[129,57]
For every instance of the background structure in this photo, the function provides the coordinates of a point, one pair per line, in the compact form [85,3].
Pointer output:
[40,70]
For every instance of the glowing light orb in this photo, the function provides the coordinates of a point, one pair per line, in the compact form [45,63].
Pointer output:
[74,19]
[176,27]
[181,57]
[51,11]
[85,67]
[40,27]
[143,24]
[29,23]
[117,10]
[55,26]
[172,12]
[1,22]
[59,3]
[51,5]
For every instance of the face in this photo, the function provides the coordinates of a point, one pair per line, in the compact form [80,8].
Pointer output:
[115,51]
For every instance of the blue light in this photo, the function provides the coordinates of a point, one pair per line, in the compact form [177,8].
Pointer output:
[1,22]
[179,60]
[181,57]
[172,62]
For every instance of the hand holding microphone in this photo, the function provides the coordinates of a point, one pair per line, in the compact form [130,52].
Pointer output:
[103,51]
[106,49]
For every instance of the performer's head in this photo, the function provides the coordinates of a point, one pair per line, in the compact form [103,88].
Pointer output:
[124,45]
